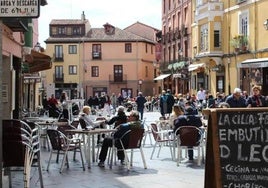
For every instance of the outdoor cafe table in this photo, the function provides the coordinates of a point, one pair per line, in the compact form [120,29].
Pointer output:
[89,133]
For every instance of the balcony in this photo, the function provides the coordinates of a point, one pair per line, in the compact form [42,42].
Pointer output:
[59,78]
[117,79]
[96,55]
[58,57]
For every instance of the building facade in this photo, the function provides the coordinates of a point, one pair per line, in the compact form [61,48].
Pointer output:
[93,61]
[21,64]
[176,45]
[223,45]
[229,45]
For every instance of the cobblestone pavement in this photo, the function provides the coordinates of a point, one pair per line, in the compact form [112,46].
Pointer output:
[161,172]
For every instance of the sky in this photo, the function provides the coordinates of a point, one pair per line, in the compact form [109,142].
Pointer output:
[119,13]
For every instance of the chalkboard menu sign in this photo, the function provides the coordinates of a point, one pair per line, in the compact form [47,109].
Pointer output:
[237,145]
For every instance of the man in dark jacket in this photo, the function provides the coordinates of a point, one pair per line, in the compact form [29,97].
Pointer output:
[133,122]
[140,101]
[236,100]
[119,118]
[188,119]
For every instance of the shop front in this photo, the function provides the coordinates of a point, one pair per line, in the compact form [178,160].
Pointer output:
[254,72]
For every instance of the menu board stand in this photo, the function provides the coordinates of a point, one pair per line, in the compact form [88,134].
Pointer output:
[237,148]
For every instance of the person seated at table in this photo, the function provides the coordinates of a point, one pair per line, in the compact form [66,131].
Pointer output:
[256,99]
[133,122]
[176,112]
[189,118]
[236,100]
[119,118]
[85,115]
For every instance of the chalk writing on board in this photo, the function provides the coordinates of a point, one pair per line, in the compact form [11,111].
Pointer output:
[243,146]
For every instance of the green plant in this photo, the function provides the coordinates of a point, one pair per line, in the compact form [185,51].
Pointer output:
[244,40]
[239,41]
[235,43]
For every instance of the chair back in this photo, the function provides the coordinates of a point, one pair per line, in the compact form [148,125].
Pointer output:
[17,135]
[135,138]
[63,129]
[188,135]
[55,138]
[75,123]
[155,131]
[82,123]
[132,139]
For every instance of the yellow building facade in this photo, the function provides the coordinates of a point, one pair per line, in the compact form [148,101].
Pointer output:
[229,45]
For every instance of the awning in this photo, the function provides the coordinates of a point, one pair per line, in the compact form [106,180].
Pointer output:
[162,76]
[36,61]
[193,67]
[254,63]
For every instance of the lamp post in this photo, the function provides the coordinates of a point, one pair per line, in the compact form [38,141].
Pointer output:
[155,64]
[180,54]
[140,83]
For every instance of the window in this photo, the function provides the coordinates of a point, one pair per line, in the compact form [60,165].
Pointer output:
[128,48]
[76,31]
[244,23]
[204,38]
[58,73]
[72,69]
[146,71]
[216,38]
[94,71]
[72,49]
[199,2]
[217,34]
[58,53]
[118,73]
[96,51]
[146,48]
[61,31]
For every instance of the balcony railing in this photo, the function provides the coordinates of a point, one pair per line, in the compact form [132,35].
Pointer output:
[58,78]
[58,57]
[117,80]
[96,55]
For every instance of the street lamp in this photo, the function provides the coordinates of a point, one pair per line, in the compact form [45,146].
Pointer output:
[140,83]
[37,47]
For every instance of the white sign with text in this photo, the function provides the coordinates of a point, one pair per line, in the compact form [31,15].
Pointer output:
[19,8]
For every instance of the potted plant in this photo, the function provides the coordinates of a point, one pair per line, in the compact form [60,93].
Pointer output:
[239,42]
[235,43]
[244,42]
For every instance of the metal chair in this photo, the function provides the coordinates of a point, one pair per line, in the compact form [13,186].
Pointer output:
[132,140]
[82,123]
[161,139]
[61,144]
[21,148]
[189,137]
[147,132]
